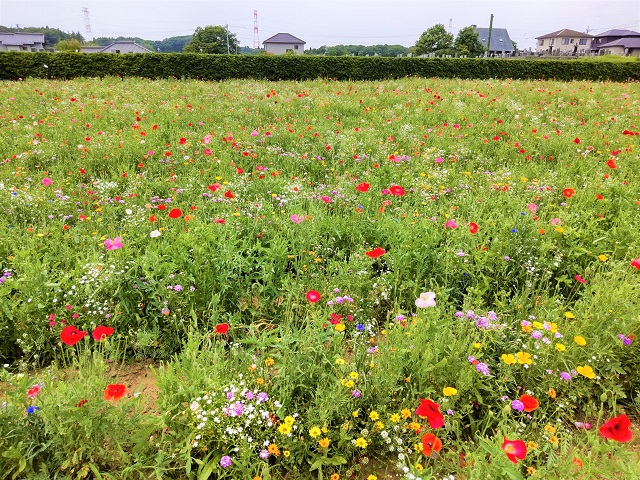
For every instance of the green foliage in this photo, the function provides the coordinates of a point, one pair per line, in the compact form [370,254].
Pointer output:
[172,44]
[360,50]
[212,39]
[69,45]
[433,39]
[467,42]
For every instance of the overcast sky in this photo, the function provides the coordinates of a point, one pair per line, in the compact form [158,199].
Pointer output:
[323,22]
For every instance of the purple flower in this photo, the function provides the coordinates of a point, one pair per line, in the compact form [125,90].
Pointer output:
[230,395]
[517,405]
[226,461]
[356,393]
[449,412]
[249,395]
[536,334]
[483,368]
[264,454]
[262,397]
[360,327]
[565,376]
[178,288]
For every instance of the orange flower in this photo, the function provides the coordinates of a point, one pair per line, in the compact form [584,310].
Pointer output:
[115,392]
[430,444]
[530,403]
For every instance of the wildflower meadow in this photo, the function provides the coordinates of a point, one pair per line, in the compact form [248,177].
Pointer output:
[404,279]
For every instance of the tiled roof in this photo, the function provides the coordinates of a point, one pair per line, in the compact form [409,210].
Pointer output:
[500,40]
[21,38]
[283,38]
[631,42]
[566,32]
[618,33]
[125,46]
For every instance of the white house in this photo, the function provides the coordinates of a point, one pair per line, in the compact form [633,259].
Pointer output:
[21,42]
[282,43]
[564,42]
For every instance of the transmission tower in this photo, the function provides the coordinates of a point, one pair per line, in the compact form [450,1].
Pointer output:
[87,23]
[450,26]
[256,36]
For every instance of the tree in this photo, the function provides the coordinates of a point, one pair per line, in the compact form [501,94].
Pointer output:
[468,43]
[212,39]
[72,45]
[172,44]
[433,40]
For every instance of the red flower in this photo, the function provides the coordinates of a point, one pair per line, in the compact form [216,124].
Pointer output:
[229,194]
[568,192]
[430,444]
[182,141]
[612,163]
[313,296]
[376,252]
[576,140]
[636,263]
[515,449]
[102,332]
[222,328]
[175,213]
[431,410]
[70,335]
[114,392]
[162,206]
[580,279]
[473,228]
[617,429]
[363,187]
[214,187]
[396,190]
[530,403]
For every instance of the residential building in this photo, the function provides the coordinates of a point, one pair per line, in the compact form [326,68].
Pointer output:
[501,43]
[21,42]
[617,42]
[119,46]
[563,42]
[282,43]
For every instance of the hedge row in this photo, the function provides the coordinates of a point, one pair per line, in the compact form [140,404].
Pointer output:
[15,65]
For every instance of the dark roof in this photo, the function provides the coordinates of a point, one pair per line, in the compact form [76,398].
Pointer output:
[630,42]
[565,32]
[618,33]
[500,40]
[21,38]
[283,38]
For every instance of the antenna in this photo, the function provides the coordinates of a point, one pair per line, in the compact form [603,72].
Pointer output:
[450,25]
[87,23]
[256,36]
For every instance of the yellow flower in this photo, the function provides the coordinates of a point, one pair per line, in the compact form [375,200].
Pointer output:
[419,467]
[509,358]
[553,440]
[340,327]
[314,432]
[569,315]
[260,380]
[537,325]
[524,358]
[354,414]
[550,428]
[372,477]
[560,347]
[269,362]
[532,445]
[286,453]
[449,391]
[284,429]
[477,345]
[374,415]
[349,384]
[531,470]
[580,340]
[361,442]
[324,442]
[553,327]
[379,425]
[395,418]
[559,229]
[586,371]
[603,258]
[353,375]
[339,361]
[289,420]
[335,476]
[406,413]
[552,392]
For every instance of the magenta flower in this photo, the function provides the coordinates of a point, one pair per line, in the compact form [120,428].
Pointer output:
[46,181]
[451,224]
[114,244]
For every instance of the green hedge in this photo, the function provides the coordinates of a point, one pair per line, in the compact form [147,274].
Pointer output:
[15,65]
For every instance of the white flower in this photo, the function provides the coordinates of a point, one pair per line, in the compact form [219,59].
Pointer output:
[426,299]
[155,234]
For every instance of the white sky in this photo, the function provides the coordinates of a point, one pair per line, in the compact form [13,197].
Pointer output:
[323,22]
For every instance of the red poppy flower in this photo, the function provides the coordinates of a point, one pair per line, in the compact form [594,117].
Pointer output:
[530,403]
[473,228]
[376,252]
[576,140]
[214,187]
[152,218]
[162,206]
[599,197]
[101,332]
[430,444]
[515,449]
[175,213]
[229,194]
[617,429]
[363,187]
[612,163]
[222,328]
[430,409]
[568,192]
[70,335]
[580,279]
[636,263]
[114,392]
[313,296]
[396,190]
[182,141]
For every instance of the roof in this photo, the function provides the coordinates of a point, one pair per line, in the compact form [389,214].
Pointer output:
[500,40]
[618,33]
[21,38]
[284,38]
[565,32]
[631,42]
[125,46]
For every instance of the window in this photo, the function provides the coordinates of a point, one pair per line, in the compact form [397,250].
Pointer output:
[296,47]
[571,40]
[551,40]
[289,49]
[583,41]
[541,43]
[565,41]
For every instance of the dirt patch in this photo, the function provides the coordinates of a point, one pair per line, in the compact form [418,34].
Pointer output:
[139,379]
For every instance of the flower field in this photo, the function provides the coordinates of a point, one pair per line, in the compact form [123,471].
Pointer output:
[418,278]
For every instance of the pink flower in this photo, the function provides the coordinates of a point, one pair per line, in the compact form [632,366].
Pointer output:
[451,224]
[636,263]
[326,199]
[580,279]
[296,219]
[114,244]
[207,139]
[254,133]
[532,207]
[439,160]
[46,181]
[556,221]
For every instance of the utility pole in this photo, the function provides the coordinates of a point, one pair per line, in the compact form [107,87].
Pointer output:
[489,36]
[227,27]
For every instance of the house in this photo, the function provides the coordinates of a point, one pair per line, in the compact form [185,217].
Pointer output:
[501,43]
[616,42]
[119,46]
[283,43]
[563,42]
[21,42]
